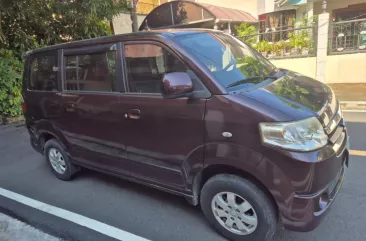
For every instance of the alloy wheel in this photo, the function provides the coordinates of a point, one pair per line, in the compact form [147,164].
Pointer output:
[57,160]
[234,213]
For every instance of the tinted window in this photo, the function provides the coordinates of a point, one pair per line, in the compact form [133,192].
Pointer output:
[91,72]
[146,65]
[159,17]
[43,73]
[230,60]
[185,12]
[175,13]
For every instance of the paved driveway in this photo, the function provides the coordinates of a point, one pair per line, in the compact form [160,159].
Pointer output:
[149,213]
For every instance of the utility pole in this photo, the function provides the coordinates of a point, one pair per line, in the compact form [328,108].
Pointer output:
[134,15]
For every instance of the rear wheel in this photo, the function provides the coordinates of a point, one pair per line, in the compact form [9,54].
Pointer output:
[238,209]
[58,160]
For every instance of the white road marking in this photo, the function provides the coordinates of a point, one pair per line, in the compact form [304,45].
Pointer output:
[357,152]
[355,111]
[73,217]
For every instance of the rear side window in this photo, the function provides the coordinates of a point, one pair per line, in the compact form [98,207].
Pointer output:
[91,72]
[43,73]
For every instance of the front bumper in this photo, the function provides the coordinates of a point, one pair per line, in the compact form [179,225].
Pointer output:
[308,210]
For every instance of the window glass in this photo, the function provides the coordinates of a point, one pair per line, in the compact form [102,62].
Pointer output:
[91,72]
[160,17]
[43,74]
[146,65]
[232,62]
[185,12]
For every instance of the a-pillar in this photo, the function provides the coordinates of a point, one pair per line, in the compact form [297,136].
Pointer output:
[322,46]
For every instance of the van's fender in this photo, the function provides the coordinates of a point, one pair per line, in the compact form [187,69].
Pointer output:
[244,159]
[228,154]
[43,127]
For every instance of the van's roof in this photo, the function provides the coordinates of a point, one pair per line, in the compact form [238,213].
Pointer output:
[123,37]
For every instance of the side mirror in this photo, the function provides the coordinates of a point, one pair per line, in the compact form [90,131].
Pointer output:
[176,85]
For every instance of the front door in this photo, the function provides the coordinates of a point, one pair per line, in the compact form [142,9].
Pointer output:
[160,133]
[91,120]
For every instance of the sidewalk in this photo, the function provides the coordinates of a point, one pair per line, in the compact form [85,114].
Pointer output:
[14,230]
[350,92]
[351,96]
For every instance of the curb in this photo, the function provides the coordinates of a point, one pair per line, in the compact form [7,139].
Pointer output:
[353,105]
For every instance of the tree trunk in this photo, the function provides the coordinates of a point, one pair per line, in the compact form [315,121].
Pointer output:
[112,27]
[134,18]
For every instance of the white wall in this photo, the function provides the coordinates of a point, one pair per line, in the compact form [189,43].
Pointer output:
[305,66]
[265,6]
[123,24]
[343,68]
[346,68]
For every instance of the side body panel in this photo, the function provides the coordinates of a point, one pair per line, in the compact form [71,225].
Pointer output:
[93,126]
[165,133]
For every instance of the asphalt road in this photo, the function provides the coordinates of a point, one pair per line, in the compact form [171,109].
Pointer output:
[150,213]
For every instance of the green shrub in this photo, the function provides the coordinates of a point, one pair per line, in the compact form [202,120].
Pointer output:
[10,84]
[247,33]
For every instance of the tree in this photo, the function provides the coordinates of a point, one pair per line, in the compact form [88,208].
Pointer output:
[246,31]
[28,24]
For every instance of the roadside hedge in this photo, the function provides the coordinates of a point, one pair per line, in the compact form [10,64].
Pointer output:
[10,84]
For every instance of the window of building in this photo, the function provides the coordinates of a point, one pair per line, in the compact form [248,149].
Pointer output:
[277,21]
[146,66]
[43,73]
[91,72]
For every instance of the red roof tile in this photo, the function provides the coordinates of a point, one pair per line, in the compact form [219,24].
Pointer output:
[229,13]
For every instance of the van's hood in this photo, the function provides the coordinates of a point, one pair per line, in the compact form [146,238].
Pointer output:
[298,96]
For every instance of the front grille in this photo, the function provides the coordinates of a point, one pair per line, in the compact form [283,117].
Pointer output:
[333,124]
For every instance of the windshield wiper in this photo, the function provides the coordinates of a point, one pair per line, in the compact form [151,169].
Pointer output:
[251,78]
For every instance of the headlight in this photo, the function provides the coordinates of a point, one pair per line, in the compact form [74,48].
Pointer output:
[304,135]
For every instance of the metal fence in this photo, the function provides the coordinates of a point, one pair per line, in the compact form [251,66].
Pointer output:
[348,37]
[287,43]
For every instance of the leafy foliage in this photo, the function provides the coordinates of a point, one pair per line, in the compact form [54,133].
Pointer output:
[250,66]
[245,30]
[10,84]
[27,24]
[292,90]
[30,24]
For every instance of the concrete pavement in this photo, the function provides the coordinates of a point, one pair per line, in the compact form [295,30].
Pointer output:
[14,230]
[149,213]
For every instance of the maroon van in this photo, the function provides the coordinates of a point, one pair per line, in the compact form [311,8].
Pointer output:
[196,113]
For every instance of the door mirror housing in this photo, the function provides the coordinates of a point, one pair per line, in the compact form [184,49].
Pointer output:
[177,85]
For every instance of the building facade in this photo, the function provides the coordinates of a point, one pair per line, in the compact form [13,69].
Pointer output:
[279,13]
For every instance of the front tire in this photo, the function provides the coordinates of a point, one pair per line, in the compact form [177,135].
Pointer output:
[58,160]
[238,209]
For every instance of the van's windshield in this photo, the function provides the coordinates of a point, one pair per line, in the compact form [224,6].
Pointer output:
[231,61]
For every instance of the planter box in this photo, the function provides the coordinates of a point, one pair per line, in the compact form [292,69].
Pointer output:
[305,52]
[264,54]
[12,120]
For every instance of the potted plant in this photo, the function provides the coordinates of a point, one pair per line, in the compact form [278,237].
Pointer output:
[288,47]
[305,46]
[276,49]
[281,47]
[293,44]
[262,47]
[269,49]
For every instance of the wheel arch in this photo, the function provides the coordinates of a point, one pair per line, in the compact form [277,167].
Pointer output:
[46,131]
[212,170]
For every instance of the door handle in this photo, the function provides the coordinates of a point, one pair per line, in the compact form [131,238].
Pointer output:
[70,107]
[133,114]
